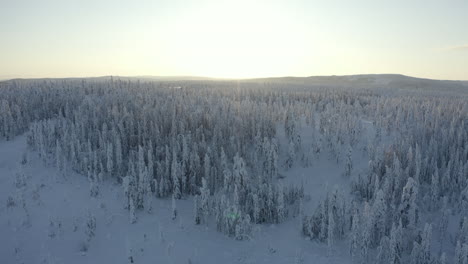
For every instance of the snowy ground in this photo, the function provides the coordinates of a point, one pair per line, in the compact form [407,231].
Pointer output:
[155,238]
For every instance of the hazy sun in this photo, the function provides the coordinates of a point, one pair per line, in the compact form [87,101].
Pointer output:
[248,39]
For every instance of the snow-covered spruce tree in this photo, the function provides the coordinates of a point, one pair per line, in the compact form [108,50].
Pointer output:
[93,183]
[383,251]
[239,174]
[366,234]
[20,179]
[148,194]
[110,160]
[408,208]
[378,218]
[281,210]
[59,163]
[142,179]
[442,226]
[415,256]
[207,169]
[255,208]
[174,208]
[425,254]
[90,229]
[227,174]
[434,191]
[396,247]
[132,212]
[291,157]
[331,232]
[196,210]
[443,258]
[349,162]
[317,225]
[355,238]
[201,207]
[175,176]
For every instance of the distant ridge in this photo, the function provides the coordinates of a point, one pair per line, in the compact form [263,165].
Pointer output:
[312,77]
[106,77]
[359,80]
[370,81]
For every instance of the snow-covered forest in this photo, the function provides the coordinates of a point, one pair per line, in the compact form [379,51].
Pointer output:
[123,170]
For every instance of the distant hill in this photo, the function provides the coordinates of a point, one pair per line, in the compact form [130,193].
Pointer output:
[143,77]
[364,79]
[373,81]
[386,82]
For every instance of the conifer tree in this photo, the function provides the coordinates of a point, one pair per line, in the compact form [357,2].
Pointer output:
[174,208]
[349,162]
[110,160]
[408,207]
[132,213]
[175,175]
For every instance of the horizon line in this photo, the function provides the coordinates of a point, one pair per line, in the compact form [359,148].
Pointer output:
[194,77]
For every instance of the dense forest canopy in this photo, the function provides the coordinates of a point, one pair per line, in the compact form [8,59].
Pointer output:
[218,141]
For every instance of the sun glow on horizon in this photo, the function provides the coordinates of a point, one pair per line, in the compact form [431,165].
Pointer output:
[250,41]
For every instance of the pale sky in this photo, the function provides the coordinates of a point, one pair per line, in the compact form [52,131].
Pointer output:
[233,39]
